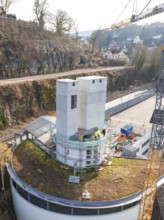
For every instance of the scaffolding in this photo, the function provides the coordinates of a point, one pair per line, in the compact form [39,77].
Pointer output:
[93,156]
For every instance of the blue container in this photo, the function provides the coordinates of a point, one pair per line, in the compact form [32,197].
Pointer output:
[126,130]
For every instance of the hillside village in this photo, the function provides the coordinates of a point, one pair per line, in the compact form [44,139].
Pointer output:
[121,56]
[121,45]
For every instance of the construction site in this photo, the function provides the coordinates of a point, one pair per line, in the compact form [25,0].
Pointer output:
[91,175]
[92,159]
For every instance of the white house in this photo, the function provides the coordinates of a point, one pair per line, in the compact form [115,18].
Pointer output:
[108,55]
[121,57]
[157,37]
[137,40]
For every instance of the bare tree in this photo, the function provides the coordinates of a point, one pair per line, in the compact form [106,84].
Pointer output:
[5,4]
[94,37]
[62,22]
[40,11]
[139,58]
[76,29]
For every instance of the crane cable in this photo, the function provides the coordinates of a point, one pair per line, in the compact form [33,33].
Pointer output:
[135,2]
[122,11]
[135,7]
[145,7]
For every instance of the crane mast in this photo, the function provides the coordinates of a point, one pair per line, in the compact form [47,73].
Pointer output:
[155,153]
[157,135]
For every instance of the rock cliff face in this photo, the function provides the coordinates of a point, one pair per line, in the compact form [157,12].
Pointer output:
[19,59]
[27,50]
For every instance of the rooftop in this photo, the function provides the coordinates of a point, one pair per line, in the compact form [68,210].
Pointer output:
[41,125]
[67,80]
[118,180]
[91,77]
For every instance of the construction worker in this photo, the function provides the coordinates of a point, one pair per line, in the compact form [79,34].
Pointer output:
[97,133]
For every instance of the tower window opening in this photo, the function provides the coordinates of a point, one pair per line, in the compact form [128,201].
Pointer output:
[93,81]
[73,84]
[100,80]
[88,152]
[73,101]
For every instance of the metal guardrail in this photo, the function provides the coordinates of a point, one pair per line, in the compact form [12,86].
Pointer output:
[13,136]
[41,146]
[6,139]
[82,145]
[67,202]
[94,208]
[132,198]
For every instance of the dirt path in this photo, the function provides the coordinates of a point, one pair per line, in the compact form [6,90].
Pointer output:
[56,75]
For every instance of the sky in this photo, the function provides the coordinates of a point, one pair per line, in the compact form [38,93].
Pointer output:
[88,14]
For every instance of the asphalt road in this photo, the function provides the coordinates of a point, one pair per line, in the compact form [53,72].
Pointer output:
[138,115]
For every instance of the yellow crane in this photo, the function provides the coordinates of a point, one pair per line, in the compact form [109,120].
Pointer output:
[142,15]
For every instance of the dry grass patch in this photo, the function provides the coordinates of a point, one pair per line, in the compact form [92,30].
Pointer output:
[5,153]
[122,178]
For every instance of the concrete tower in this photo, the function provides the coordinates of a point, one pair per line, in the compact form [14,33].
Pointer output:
[92,97]
[66,107]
